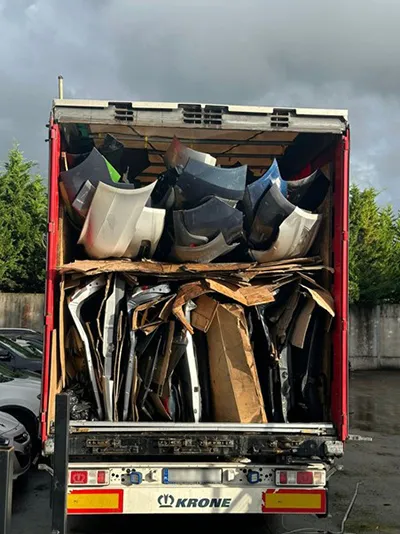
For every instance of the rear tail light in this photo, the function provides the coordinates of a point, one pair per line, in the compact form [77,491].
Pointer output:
[89,477]
[79,477]
[305,478]
[101,477]
[300,478]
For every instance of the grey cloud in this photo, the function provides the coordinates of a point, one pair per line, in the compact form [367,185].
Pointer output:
[334,53]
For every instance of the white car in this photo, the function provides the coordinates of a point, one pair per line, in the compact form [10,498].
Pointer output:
[20,398]
[14,434]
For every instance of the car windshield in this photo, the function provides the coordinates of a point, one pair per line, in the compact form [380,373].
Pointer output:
[7,375]
[22,347]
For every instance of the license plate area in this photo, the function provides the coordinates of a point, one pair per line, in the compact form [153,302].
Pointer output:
[192,476]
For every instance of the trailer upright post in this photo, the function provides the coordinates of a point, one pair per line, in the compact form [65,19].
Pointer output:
[60,478]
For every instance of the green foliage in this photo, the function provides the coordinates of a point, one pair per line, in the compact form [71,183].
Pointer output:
[374,252]
[23,214]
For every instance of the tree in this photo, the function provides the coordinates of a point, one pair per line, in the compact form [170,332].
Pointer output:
[23,214]
[374,251]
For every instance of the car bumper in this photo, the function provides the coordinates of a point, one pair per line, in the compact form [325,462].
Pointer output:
[20,440]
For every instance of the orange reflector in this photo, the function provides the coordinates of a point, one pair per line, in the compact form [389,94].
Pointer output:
[294,501]
[95,502]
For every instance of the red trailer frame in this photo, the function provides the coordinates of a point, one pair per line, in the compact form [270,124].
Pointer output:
[340,157]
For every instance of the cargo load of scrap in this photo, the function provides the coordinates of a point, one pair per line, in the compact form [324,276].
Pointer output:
[196,292]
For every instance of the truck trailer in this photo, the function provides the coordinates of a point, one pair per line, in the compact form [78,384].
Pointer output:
[149,457]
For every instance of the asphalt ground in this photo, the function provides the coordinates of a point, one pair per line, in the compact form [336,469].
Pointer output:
[374,412]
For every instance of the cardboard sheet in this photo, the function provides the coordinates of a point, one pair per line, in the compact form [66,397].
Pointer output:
[92,267]
[285,319]
[323,298]
[236,391]
[249,295]
[204,313]
[148,267]
[160,373]
[188,292]
[75,358]
[149,315]
[302,323]
[55,380]
[62,332]
[252,295]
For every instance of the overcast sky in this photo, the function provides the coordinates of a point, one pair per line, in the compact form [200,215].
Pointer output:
[307,53]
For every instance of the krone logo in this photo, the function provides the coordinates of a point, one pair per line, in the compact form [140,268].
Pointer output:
[166,501]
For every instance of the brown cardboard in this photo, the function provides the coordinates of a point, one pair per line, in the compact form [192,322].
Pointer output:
[61,337]
[166,310]
[93,267]
[236,391]
[74,353]
[302,324]
[323,298]
[285,319]
[149,315]
[160,372]
[249,295]
[252,295]
[204,313]
[188,292]
[55,380]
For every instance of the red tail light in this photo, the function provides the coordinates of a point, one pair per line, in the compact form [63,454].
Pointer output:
[305,478]
[101,477]
[292,477]
[79,477]
[283,477]
[89,477]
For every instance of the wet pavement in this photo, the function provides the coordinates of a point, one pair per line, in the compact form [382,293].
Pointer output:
[374,411]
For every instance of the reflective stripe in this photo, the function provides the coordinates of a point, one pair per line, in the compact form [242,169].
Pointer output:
[95,501]
[292,501]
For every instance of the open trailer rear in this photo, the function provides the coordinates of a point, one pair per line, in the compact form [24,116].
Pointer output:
[253,412]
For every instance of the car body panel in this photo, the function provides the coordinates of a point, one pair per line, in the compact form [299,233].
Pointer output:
[111,221]
[19,439]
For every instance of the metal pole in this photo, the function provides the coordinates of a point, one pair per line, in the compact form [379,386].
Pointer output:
[60,478]
[60,87]
[6,486]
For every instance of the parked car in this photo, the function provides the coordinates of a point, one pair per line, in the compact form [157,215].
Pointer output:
[4,331]
[22,354]
[20,397]
[14,434]
[22,335]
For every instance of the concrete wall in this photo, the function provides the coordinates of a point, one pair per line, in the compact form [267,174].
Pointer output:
[375,337]
[21,310]
[374,332]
